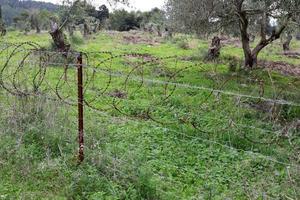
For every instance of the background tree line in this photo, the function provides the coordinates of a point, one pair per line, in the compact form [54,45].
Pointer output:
[13,8]
[33,15]
[265,19]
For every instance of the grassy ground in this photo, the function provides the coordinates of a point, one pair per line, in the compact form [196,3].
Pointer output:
[199,144]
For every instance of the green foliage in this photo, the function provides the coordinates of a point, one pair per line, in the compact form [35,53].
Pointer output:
[83,13]
[290,114]
[13,8]
[37,20]
[204,17]
[155,16]
[122,20]
[136,158]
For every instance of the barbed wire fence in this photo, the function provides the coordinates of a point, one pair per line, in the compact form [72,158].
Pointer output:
[162,90]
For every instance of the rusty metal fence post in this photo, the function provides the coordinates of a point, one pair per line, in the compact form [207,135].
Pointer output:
[80,108]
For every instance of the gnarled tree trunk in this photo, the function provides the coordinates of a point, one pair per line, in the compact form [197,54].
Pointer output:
[215,49]
[59,38]
[38,29]
[60,42]
[96,27]
[86,29]
[286,44]
[251,60]
[251,55]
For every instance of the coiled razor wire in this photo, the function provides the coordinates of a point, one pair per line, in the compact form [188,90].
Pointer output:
[112,81]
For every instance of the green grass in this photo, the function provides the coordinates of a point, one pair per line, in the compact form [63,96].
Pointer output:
[129,156]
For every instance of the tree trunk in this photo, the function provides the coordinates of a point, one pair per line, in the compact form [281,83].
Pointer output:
[59,38]
[96,27]
[251,38]
[249,55]
[251,61]
[71,30]
[168,33]
[286,44]
[159,34]
[86,30]
[38,30]
[3,32]
[215,49]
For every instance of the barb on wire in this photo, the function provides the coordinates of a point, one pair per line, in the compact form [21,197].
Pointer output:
[160,89]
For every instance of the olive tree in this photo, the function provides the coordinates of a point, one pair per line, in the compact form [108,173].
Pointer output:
[75,13]
[207,16]
[23,22]
[35,21]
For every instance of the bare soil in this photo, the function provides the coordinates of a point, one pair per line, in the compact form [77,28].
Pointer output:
[236,42]
[292,54]
[282,67]
[138,37]
[144,57]
[118,94]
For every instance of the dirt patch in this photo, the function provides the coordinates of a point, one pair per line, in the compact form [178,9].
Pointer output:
[112,33]
[145,57]
[291,54]
[138,37]
[262,106]
[118,94]
[163,72]
[137,59]
[282,67]
[226,41]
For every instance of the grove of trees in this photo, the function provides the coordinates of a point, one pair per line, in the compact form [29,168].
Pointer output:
[123,20]
[246,19]
[211,16]
[13,8]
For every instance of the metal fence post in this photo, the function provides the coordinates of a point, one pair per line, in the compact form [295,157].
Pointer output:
[80,109]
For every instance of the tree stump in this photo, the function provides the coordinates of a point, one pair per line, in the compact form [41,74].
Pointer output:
[3,32]
[215,49]
[168,33]
[86,29]
[71,29]
[159,33]
[59,38]
[286,44]
[2,25]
